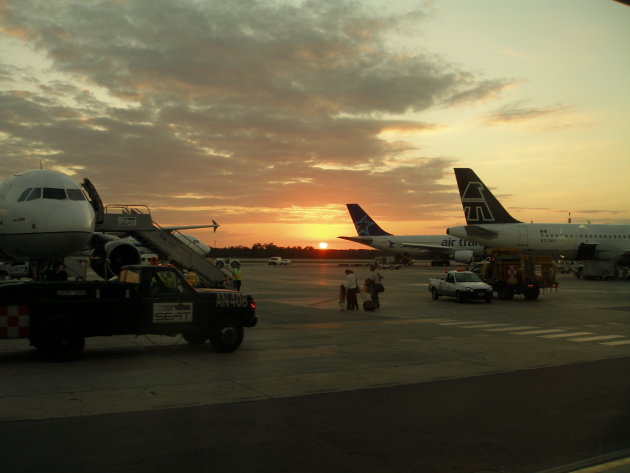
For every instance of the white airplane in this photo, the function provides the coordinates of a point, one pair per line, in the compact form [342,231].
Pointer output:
[44,216]
[489,224]
[441,247]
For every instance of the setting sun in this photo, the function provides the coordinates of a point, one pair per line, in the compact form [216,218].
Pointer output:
[323,245]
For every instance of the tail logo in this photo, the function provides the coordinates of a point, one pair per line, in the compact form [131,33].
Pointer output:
[474,202]
[363,226]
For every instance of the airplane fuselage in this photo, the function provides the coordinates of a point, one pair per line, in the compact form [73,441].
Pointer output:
[562,239]
[43,215]
[432,245]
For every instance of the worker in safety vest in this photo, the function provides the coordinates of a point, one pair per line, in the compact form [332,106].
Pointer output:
[237,277]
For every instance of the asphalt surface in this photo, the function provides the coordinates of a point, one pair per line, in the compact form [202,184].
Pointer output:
[421,385]
[512,422]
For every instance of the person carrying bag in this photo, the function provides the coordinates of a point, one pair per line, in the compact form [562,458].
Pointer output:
[352,289]
[377,285]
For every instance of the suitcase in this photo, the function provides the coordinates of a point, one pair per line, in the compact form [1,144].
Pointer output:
[369,306]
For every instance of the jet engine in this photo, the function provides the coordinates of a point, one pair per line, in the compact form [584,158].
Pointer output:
[108,257]
[464,256]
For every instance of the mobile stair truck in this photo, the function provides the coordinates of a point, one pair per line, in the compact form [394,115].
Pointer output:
[509,271]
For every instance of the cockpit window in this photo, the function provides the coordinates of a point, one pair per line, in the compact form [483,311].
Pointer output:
[54,193]
[36,193]
[24,194]
[75,194]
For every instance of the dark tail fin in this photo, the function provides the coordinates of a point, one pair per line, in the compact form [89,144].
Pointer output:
[480,205]
[363,222]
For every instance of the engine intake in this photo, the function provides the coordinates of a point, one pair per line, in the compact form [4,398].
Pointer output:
[109,258]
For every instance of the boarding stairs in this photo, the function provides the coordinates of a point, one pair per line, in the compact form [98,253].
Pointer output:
[77,267]
[136,221]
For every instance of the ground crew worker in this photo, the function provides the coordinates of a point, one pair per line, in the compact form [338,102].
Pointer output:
[237,277]
[168,278]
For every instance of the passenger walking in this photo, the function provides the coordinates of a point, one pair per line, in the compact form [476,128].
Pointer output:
[352,289]
[375,286]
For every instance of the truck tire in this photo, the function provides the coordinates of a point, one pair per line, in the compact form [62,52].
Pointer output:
[434,294]
[195,337]
[61,342]
[531,293]
[226,334]
[459,296]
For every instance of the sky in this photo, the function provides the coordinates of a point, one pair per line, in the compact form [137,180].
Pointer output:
[269,116]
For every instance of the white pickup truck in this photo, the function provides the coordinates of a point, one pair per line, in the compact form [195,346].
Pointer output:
[461,285]
[278,261]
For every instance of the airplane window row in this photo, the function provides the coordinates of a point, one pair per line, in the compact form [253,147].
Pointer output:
[605,236]
[590,236]
[33,193]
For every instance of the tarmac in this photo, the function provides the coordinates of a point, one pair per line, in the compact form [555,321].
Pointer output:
[315,388]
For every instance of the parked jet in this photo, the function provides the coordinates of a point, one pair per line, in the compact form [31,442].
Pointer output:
[490,224]
[44,216]
[441,247]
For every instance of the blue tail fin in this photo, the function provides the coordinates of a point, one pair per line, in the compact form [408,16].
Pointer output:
[480,205]
[363,222]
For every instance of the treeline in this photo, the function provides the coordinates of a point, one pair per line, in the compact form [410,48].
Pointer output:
[267,250]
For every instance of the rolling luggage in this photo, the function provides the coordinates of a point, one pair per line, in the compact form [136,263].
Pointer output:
[369,305]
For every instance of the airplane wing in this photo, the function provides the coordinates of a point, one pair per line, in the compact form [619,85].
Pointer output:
[426,246]
[357,239]
[214,225]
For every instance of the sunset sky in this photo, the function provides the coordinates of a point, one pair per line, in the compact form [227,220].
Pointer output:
[270,116]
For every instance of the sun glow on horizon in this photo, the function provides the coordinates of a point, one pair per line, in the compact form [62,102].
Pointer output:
[323,245]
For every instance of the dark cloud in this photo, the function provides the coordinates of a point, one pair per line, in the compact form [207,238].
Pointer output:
[249,104]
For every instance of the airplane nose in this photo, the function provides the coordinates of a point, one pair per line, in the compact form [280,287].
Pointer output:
[71,219]
[70,228]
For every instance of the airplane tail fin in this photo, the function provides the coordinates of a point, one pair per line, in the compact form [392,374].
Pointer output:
[363,222]
[480,205]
